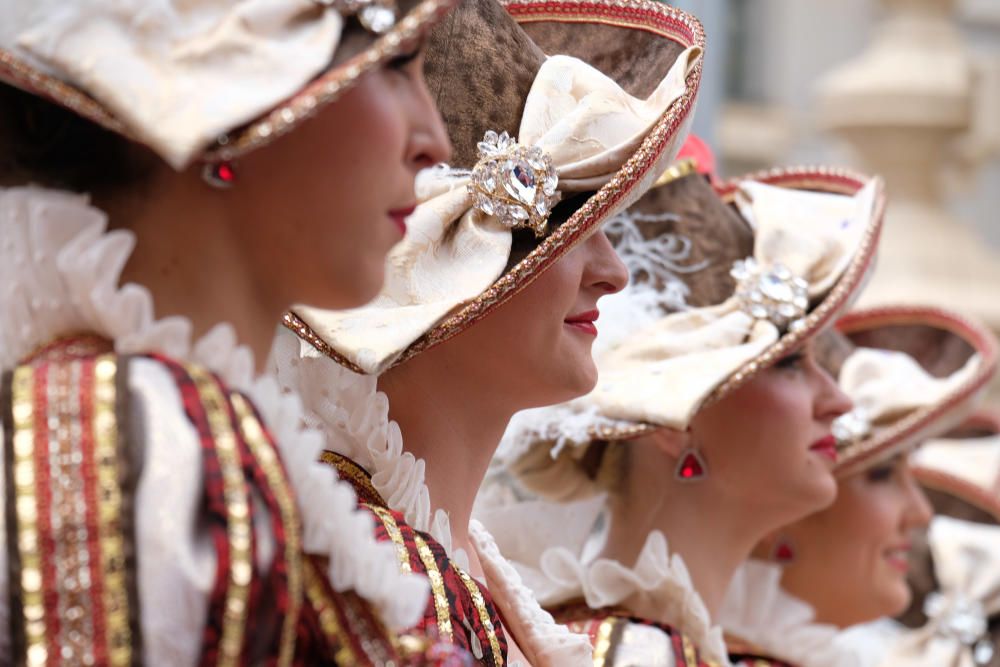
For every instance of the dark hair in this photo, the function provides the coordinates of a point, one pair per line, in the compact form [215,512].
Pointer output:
[43,143]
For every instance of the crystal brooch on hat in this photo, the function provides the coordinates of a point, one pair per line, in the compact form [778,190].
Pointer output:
[773,293]
[376,16]
[513,183]
[851,427]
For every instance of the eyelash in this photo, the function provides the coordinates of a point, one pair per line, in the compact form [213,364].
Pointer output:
[401,61]
[793,360]
[881,473]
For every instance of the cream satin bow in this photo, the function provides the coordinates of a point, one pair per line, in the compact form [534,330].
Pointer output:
[178,74]
[587,124]
[968,572]
[887,385]
[663,372]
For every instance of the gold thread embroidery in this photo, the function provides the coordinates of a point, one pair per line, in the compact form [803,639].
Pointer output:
[263,451]
[484,615]
[385,516]
[690,656]
[110,502]
[26,508]
[441,605]
[602,641]
[328,621]
[237,499]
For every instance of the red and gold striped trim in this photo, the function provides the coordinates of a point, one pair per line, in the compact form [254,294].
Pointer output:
[70,540]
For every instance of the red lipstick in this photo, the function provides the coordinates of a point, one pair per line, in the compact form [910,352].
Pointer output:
[399,217]
[584,321]
[826,446]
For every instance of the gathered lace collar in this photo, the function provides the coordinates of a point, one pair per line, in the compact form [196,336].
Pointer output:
[354,417]
[60,271]
[549,547]
[757,610]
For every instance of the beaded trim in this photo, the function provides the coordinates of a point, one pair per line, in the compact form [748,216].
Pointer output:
[264,452]
[484,616]
[441,605]
[68,499]
[392,529]
[920,423]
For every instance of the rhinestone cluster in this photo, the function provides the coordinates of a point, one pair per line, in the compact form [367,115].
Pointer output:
[773,293]
[515,184]
[964,619]
[376,16]
[851,427]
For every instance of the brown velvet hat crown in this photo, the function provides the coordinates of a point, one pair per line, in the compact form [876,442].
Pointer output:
[489,67]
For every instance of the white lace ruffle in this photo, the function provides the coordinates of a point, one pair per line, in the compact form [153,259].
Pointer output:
[547,545]
[60,275]
[543,640]
[355,418]
[756,609]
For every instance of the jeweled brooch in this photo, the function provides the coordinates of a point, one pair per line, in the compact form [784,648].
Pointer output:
[773,293]
[851,427]
[375,16]
[515,184]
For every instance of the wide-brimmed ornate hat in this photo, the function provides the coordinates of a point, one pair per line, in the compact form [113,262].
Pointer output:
[202,78]
[913,373]
[561,115]
[955,578]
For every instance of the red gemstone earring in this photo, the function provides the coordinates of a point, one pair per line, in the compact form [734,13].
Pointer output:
[690,466]
[220,175]
[783,553]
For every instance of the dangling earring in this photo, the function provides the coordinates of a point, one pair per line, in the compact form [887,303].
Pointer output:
[219,175]
[690,466]
[783,553]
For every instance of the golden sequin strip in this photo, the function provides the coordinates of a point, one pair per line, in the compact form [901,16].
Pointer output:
[690,655]
[329,622]
[441,605]
[263,451]
[484,615]
[602,641]
[26,512]
[238,526]
[109,513]
[385,516]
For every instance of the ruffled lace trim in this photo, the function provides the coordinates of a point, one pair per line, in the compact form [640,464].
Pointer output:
[756,609]
[354,415]
[544,641]
[60,275]
[550,547]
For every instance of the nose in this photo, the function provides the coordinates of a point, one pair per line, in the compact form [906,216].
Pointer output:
[604,269]
[429,144]
[918,510]
[831,401]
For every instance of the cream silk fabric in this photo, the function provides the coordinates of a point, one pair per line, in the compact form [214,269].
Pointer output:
[664,371]
[966,566]
[975,460]
[887,385]
[453,253]
[177,73]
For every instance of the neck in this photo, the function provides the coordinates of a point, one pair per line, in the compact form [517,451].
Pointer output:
[712,534]
[452,424]
[188,257]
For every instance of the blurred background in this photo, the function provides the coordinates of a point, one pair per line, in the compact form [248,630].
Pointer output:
[908,89]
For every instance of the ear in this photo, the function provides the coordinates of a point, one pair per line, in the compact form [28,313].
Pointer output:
[671,442]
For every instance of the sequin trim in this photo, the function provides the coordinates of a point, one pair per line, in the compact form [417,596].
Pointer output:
[327,612]
[484,615]
[238,525]
[70,543]
[392,529]
[602,641]
[441,605]
[263,451]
